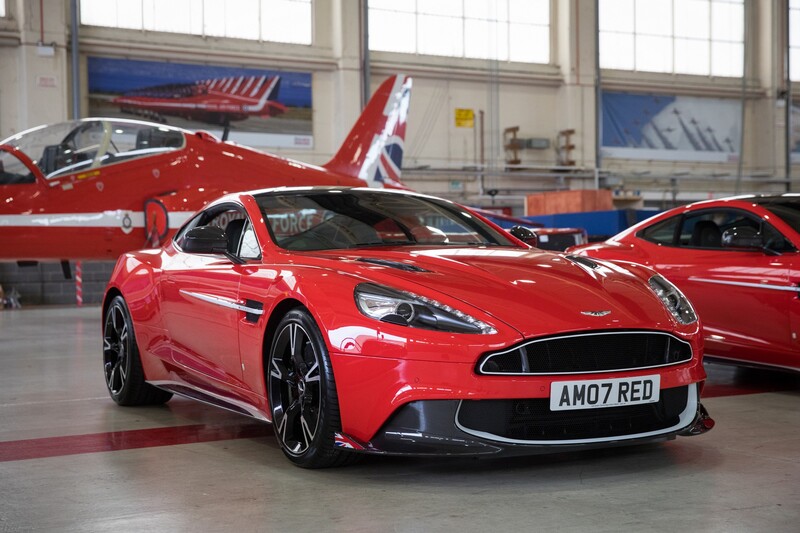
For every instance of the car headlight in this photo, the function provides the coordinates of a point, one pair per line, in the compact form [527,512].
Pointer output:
[408,309]
[673,299]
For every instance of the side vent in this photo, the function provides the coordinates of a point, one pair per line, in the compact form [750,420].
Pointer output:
[256,306]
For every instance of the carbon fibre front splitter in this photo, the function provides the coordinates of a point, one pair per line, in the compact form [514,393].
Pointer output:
[428,428]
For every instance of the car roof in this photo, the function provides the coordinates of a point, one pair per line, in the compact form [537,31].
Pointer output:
[236,196]
[333,188]
[788,198]
[759,199]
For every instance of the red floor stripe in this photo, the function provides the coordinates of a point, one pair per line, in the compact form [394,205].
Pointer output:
[722,381]
[127,440]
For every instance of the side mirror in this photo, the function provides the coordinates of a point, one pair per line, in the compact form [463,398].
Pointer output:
[205,240]
[745,238]
[525,235]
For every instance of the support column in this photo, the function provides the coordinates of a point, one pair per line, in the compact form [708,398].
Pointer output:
[575,28]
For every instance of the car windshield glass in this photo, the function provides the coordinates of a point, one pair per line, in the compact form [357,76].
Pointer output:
[787,211]
[662,232]
[354,218]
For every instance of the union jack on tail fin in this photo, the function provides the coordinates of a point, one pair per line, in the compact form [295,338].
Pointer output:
[373,150]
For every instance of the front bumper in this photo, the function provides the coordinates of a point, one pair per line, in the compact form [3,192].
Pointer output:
[457,428]
[372,390]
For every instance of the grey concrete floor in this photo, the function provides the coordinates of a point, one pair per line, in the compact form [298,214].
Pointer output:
[742,476]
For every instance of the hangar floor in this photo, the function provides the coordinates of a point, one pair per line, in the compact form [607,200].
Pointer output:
[70,460]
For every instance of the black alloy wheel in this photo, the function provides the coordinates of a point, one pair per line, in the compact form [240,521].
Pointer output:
[122,366]
[302,394]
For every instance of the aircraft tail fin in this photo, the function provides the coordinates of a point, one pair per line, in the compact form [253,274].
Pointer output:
[262,97]
[373,150]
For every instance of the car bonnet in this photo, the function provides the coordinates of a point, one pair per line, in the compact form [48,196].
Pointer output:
[532,291]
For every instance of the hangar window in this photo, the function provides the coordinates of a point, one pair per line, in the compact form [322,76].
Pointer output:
[285,21]
[794,39]
[507,30]
[701,37]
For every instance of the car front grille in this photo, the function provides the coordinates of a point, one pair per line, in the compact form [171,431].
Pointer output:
[588,352]
[532,420]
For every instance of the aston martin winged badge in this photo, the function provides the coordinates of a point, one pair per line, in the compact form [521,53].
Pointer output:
[595,313]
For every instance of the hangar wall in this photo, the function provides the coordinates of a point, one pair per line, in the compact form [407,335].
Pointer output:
[440,158]
[540,99]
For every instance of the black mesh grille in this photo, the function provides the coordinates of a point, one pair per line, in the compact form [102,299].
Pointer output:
[595,352]
[532,420]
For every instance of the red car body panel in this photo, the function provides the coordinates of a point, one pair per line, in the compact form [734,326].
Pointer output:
[747,299]
[380,367]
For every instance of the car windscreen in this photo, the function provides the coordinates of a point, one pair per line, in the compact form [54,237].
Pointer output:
[354,218]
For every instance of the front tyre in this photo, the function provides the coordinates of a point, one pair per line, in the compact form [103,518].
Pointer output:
[122,365]
[302,394]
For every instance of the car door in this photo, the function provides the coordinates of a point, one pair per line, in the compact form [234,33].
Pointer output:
[743,297]
[201,305]
[257,289]
[792,359]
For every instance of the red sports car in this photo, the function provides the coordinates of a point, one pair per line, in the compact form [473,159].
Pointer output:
[389,322]
[737,260]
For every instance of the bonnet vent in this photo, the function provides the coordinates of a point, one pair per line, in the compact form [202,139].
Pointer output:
[393,264]
[583,261]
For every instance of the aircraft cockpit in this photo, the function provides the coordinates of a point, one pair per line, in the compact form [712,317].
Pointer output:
[82,145]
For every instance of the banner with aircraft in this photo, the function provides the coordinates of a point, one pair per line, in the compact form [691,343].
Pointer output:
[260,108]
[670,127]
[795,139]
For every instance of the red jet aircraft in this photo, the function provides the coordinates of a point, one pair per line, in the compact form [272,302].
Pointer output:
[94,188]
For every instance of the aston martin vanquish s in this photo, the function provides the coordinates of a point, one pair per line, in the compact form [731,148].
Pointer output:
[389,322]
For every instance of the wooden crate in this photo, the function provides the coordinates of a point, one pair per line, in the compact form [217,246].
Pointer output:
[551,203]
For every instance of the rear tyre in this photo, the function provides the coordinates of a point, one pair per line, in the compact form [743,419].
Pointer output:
[302,394]
[122,365]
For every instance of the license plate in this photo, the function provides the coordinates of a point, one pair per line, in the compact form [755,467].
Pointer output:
[566,395]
